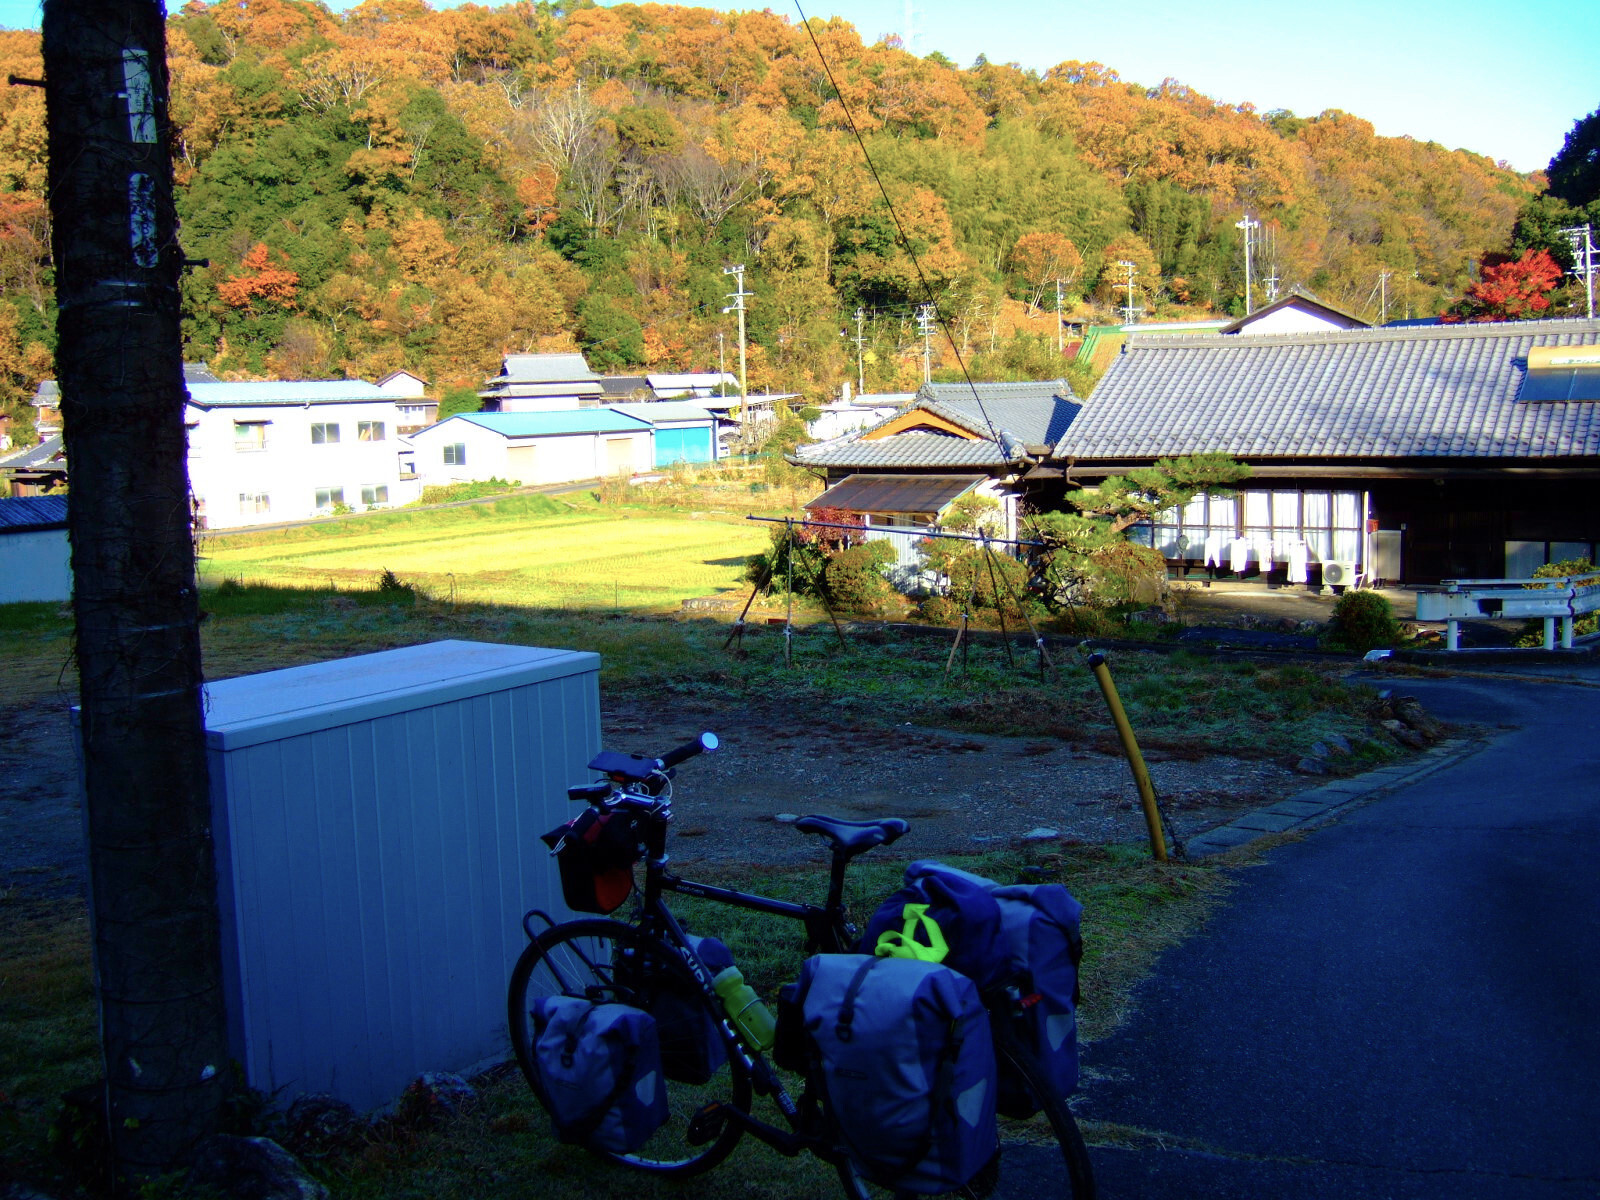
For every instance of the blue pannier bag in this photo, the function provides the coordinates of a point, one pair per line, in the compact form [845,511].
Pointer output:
[689,1031]
[598,1072]
[906,1063]
[1037,952]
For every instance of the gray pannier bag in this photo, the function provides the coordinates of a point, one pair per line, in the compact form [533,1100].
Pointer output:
[598,1072]
[907,1066]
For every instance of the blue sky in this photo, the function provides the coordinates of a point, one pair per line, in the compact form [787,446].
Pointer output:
[1499,80]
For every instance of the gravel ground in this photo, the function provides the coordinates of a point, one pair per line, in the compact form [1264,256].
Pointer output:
[960,791]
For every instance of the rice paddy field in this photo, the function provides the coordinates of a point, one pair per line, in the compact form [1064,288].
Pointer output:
[523,550]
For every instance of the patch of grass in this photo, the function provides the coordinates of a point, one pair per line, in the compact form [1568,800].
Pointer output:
[48,1037]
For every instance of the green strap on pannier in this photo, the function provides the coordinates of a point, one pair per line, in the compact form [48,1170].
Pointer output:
[903,943]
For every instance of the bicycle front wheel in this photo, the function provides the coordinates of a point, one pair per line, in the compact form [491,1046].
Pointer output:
[608,962]
[1040,1158]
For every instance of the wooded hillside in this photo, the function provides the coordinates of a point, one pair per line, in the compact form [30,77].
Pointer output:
[402,187]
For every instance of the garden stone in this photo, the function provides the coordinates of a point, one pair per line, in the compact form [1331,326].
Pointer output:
[1041,834]
[318,1124]
[1340,744]
[433,1096]
[1311,766]
[252,1168]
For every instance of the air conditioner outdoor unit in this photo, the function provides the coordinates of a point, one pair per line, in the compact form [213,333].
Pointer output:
[1338,574]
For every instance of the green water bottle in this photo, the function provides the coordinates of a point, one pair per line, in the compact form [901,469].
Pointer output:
[749,1016]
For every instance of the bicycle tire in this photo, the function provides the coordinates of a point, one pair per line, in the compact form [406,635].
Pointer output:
[1024,1168]
[581,958]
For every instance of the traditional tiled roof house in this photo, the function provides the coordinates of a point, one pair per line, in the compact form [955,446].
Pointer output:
[1408,455]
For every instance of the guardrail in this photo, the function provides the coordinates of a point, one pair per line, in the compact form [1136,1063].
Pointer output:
[1562,599]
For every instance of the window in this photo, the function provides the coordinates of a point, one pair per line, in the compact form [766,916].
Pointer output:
[251,503]
[456,455]
[369,431]
[324,434]
[1328,522]
[377,493]
[249,435]
[329,498]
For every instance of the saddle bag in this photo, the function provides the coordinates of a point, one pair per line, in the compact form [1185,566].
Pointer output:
[598,1072]
[907,1067]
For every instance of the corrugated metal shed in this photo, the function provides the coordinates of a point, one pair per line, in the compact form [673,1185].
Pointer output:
[22,513]
[376,822]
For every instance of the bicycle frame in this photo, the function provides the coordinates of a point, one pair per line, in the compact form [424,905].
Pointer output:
[827,931]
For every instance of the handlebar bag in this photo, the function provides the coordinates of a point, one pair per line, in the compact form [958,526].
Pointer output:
[597,1070]
[906,1066]
[595,852]
[1039,947]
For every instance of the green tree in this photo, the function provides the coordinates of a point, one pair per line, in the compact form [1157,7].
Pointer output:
[611,336]
[1574,173]
[1145,492]
[459,400]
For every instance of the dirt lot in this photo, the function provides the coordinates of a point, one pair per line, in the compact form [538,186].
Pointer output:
[958,790]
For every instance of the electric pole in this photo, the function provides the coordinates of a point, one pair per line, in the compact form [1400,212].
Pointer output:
[1058,315]
[1130,269]
[1383,297]
[739,296]
[1581,238]
[119,360]
[1248,225]
[861,352]
[925,332]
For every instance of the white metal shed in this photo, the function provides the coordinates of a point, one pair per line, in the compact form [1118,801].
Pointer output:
[377,822]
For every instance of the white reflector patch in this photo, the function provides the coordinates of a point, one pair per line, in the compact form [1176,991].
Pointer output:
[646,1089]
[970,1102]
[1057,1028]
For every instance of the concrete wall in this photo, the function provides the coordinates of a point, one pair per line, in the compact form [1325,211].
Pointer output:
[35,565]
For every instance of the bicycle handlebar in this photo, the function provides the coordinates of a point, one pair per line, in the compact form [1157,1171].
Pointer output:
[703,744]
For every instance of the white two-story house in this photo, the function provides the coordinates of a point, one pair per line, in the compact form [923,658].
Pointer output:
[260,453]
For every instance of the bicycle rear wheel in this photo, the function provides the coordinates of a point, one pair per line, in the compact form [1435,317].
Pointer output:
[609,962]
[1040,1158]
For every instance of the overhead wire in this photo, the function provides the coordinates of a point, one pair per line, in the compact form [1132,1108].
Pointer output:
[900,233]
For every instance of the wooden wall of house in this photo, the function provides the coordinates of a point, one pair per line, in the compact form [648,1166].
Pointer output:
[1458,528]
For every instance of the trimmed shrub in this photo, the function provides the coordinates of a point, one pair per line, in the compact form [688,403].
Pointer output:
[854,576]
[1362,621]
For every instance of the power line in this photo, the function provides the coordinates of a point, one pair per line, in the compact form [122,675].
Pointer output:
[894,215]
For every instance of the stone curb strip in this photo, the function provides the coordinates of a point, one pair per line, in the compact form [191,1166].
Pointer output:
[1306,809]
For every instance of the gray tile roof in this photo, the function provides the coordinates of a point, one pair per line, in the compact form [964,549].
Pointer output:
[1439,391]
[1028,418]
[545,368]
[902,450]
[34,456]
[1035,414]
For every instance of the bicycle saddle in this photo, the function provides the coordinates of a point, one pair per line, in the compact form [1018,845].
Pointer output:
[853,837]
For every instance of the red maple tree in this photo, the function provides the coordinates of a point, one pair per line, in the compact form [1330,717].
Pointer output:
[1510,290]
[266,280]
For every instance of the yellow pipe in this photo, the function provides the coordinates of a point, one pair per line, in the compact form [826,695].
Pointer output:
[1130,746]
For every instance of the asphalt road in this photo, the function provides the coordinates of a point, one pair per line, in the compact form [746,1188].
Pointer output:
[1404,1005]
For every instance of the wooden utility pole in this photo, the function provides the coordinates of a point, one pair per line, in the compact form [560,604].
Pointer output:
[119,361]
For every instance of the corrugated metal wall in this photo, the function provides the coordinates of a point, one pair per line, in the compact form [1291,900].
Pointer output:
[375,872]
